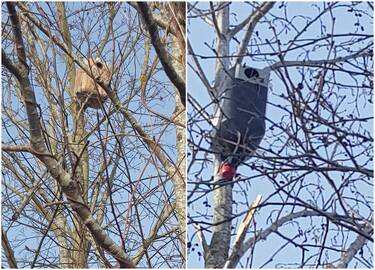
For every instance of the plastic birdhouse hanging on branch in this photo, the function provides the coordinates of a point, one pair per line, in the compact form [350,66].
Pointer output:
[240,116]
[87,91]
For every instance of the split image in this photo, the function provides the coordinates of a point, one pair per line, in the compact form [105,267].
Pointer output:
[187,135]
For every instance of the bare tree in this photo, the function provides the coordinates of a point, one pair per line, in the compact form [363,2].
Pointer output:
[91,187]
[313,168]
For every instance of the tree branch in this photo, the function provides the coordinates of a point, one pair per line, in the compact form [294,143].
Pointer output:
[214,20]
[166,212]
[200,72]
[242,230]
[263,234]
[24,148]
[202,238]
[5,61]
[165,60]
[252,22]
[322,62]
[204,16]
[352,250]
[9,254]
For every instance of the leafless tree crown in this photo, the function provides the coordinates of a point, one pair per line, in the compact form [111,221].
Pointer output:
[93,156]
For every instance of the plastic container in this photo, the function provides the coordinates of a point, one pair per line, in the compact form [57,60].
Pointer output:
[240,115]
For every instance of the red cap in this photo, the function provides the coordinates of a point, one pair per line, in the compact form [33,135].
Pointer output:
[227,171]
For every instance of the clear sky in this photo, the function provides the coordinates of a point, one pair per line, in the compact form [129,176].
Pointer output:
[201,36]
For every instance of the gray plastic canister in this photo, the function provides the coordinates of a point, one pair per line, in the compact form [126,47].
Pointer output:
[241,113]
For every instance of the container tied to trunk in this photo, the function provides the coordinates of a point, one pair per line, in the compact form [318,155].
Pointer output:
[240,116]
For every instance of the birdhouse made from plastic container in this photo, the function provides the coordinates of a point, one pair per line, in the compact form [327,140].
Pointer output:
[240,114]
[87,91]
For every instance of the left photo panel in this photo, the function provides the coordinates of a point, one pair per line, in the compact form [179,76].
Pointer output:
[93,135]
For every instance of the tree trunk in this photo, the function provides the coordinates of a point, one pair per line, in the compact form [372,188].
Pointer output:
[222,201]
[180,185]
[80,245]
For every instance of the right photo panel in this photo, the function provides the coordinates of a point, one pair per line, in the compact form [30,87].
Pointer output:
[280,134]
